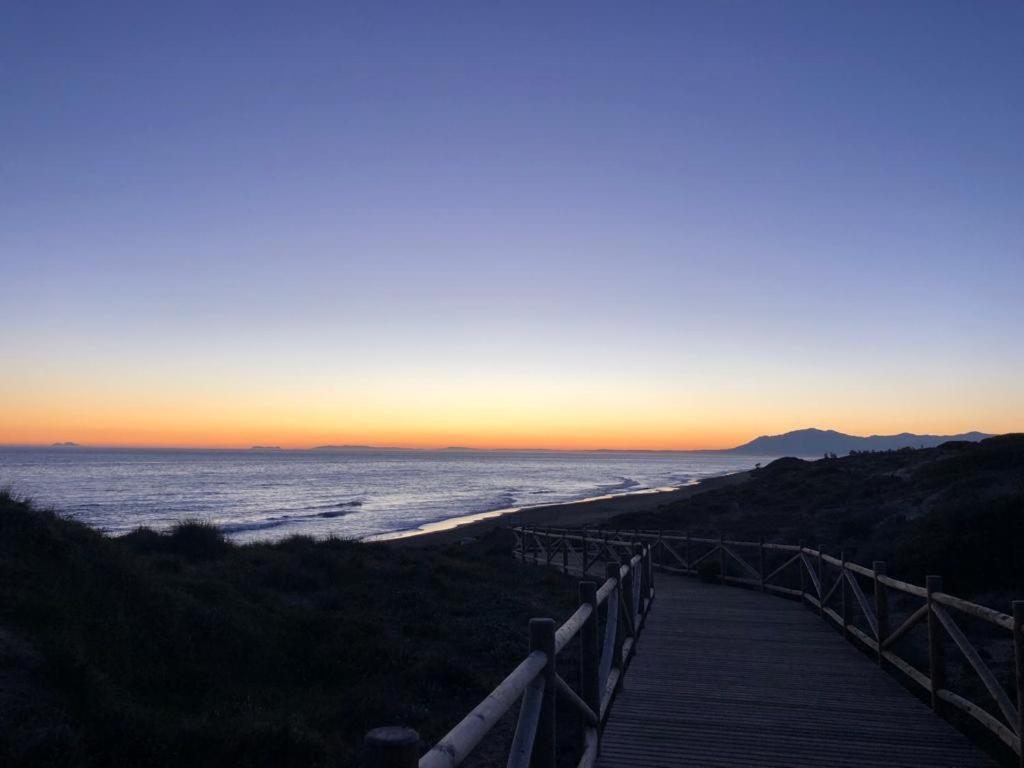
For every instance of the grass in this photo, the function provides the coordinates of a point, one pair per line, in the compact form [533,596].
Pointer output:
[182,648]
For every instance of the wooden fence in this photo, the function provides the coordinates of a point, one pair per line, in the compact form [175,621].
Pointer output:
[835,588]
[605,652]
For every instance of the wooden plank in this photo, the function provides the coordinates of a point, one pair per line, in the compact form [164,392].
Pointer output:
[734,677]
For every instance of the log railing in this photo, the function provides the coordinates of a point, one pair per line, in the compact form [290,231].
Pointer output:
[835,588]
[623,600]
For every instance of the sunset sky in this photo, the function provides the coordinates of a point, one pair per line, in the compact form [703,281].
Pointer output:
[668,225]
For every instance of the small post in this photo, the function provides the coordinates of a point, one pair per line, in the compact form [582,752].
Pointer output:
[586,554]
[760,559]
[689,561]
[542,638]
[627,593]
[821,581]
[522,544]
[650,569]
[391,747]
[590,650]
[846,604]
[565,553]
[611,571]
[641,550]
[936,644]
[660,550]
[721,559]
[549,546]
[800,568]
[881,608]
[1018,657]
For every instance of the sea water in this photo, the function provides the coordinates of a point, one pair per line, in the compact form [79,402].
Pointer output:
[266,495]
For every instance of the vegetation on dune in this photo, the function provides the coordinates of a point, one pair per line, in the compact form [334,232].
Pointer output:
[184,649]
[957,510]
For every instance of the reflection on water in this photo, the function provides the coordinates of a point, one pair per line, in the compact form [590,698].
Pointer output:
[259,496]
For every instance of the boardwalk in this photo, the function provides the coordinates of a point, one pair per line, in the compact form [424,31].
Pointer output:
[732,677]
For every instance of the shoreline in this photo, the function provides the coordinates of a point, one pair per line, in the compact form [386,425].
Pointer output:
[567,514]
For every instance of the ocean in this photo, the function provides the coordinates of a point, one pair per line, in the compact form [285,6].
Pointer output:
[257,495]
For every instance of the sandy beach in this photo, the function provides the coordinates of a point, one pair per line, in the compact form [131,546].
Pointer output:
[569,514]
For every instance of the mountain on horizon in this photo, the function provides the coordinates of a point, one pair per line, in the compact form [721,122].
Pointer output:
[817,442]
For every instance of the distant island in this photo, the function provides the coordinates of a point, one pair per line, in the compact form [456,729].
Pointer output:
[266,448]
[67,444]
[816,442]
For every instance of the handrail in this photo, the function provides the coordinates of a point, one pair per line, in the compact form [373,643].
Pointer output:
[812,569]
[605,653]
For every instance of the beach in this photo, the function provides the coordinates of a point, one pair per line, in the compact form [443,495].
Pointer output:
[566,515]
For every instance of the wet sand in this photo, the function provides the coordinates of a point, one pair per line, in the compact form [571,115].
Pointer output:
[567,515]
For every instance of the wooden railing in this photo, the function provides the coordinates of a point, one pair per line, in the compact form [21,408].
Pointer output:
[833,587]
[605,652]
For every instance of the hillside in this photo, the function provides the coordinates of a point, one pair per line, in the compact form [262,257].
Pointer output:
[182,649]
[956,510]
[818,442]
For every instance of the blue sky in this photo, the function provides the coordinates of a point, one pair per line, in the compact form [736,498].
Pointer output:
[724,218]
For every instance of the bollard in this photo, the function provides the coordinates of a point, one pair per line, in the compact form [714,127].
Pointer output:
[391,747]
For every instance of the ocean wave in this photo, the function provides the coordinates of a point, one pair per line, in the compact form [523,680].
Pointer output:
[279,520]
[624,484]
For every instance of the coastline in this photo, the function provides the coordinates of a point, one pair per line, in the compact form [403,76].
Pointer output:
[564,514]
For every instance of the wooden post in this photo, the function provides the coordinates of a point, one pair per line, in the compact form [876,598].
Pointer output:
[881,608]
[689,560]
[391,747]
[586,547]
[821,582]
[641,550]
[549,546]
[565,553]
[590,650]
[936,644]
[627,593]
[760,559]
[846,604]
[650,568]
[522,544]
[800,567]
[1018,657]
[542,638]
[721,559]
[611,571]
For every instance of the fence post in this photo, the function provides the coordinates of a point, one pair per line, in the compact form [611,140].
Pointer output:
[660,550]
[522,544]
[565,553]
[760,559]
[846,604]
[821,582]
[391,747]
[549,546]
[627,595]
[590,650]
[542,638]
[689,560]
[721,559]
[936,644]
[611,571]
[650,570]
[881,608]
[800,568]
[1018,657]
[586,552]
[644,580]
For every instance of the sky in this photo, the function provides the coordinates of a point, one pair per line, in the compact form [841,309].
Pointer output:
[573,225]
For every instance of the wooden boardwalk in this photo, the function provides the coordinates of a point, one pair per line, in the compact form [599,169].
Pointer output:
[732,677]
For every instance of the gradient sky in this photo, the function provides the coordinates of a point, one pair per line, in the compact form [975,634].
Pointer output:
[509,224]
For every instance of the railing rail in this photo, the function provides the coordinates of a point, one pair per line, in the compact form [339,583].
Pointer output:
[823,581]
[625,593]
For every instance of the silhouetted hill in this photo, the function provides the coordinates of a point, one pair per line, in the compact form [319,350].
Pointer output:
[817,442]
[955,510]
